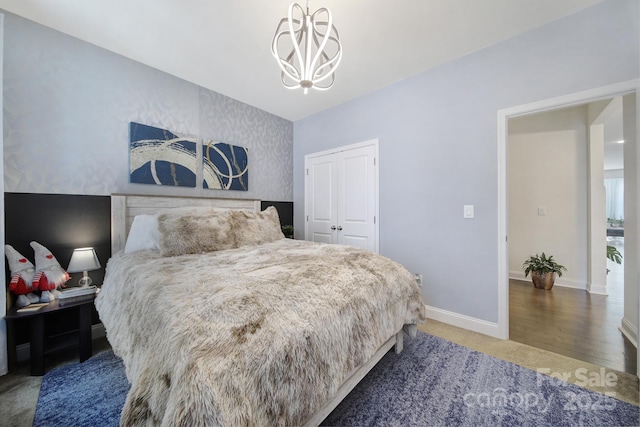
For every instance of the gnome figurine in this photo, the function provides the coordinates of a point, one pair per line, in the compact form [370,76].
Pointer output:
[22,272]
[49,274]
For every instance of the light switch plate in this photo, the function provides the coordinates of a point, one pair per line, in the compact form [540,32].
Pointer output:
[542,211]
[468,211]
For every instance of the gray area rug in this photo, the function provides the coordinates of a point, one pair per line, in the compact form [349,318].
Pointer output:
[433,382]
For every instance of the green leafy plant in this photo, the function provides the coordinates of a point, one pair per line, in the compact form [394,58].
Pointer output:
[287,230]
[614,255]
[542,264]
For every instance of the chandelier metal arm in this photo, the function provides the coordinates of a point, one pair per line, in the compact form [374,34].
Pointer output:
[315,32]
[328,62]
[302,23]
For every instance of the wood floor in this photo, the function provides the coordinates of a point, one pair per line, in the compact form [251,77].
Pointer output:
[572,322]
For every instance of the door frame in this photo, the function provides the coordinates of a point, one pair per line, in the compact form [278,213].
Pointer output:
[578,98]
[376,179]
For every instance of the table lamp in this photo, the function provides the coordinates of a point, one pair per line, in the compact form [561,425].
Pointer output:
[83,259]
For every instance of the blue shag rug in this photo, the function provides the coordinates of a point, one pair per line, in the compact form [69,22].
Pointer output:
[433,382]
[91,393]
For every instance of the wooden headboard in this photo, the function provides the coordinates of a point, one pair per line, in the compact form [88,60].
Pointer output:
[125,207]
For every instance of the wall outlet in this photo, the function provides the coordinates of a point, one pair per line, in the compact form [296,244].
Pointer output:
[419,280]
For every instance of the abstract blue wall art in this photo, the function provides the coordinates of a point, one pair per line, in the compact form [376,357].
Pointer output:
[157,156]
[225,167]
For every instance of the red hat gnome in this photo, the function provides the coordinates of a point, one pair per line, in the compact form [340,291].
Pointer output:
[49,275]
[22,272]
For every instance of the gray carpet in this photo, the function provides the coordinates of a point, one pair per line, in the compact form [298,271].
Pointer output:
[433,382]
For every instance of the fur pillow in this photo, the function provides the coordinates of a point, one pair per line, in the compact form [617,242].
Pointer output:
[190,233]
[254,228]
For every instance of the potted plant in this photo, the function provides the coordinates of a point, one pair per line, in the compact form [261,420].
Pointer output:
[287,230]
[543,270]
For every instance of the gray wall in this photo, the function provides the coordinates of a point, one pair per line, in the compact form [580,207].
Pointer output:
[438,144]
[67,106]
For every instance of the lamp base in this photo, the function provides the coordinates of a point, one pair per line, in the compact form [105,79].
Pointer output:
[85,281]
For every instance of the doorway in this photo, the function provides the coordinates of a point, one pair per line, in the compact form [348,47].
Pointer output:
[503,212]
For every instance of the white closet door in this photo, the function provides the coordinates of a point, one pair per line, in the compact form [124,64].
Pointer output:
[341,196]
[321,193]
[356,198]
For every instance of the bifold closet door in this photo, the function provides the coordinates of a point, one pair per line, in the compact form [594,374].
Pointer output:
[341,197]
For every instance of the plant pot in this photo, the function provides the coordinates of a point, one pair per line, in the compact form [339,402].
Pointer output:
[543,281]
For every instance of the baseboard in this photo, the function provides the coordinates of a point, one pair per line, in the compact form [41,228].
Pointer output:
[462,321]
[23,351]
[518,275]
[563,282]
[598,289]
[628,330]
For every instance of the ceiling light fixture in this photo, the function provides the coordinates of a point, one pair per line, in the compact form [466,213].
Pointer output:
[313,46]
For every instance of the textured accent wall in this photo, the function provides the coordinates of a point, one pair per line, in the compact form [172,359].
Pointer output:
[67,108]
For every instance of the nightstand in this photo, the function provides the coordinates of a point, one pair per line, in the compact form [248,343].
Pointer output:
[40,344]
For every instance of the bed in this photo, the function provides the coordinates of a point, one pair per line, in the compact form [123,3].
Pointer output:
[223,321]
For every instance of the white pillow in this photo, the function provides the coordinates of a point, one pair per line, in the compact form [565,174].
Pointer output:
[144,234]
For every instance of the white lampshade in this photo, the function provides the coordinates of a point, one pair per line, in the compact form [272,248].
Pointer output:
[83,259]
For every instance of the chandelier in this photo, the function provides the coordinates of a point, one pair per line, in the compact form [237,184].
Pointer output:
[312,46]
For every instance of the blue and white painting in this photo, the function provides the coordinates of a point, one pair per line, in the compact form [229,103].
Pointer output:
[225,166]
[157,156]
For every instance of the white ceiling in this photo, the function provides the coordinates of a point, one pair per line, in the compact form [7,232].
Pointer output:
[224,45]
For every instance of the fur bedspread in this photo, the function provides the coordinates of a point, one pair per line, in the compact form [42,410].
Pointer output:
[260,335]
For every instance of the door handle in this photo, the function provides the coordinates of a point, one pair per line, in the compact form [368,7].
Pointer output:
[339,228]
[333,227]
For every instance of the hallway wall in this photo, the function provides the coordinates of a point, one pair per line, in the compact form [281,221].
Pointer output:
[631,319]
[547,167]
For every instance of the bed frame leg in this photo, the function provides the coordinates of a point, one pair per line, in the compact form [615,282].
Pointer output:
[399,343]
[411,330]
